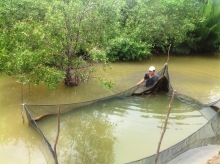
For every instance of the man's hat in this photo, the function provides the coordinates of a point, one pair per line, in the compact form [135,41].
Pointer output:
[152,68]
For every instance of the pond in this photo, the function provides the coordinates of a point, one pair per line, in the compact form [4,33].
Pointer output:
[131,126]
[120,130]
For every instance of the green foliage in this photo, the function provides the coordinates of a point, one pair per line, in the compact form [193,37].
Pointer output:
[24,53]
[127,49]
[46,40]
[108,84]
[206,36]
[79,29]
[159,22]
[49,75]
[98,55]
[40,39]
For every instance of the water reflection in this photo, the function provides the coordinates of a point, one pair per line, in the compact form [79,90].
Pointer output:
[86,137]
[20,145]
[116,130]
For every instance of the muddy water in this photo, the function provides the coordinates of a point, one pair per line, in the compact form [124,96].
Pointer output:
[121,130]
[124,130]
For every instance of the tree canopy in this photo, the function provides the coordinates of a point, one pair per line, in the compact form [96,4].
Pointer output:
[51,41]
[44,41]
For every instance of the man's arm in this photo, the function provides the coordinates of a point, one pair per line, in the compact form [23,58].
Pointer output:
[142,80]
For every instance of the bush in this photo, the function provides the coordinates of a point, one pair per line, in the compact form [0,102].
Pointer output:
[123,49]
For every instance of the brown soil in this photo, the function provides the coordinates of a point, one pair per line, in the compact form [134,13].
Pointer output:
[214,160]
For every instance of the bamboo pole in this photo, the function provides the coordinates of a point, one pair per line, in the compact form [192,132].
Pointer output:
[58,132]
[164,128]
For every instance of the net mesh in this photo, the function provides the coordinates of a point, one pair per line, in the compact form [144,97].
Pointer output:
[163,84]
[47,148]
[208,134]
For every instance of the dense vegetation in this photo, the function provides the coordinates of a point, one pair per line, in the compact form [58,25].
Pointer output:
[52,40]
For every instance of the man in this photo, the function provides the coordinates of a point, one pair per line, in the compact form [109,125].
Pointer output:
[150,77]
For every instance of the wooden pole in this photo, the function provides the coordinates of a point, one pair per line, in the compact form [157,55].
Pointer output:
[58,132]
[164,128]
[22,102]
[168,57]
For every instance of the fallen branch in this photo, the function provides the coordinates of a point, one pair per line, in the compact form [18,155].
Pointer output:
[164,128]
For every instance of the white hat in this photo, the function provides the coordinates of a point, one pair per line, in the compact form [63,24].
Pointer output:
[152,68]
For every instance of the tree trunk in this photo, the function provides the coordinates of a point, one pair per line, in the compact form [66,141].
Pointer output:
[71,79]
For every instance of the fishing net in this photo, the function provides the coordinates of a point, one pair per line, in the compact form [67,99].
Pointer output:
[163,85]
[46,148]
[209,134]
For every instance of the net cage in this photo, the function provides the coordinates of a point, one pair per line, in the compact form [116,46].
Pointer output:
[208,134]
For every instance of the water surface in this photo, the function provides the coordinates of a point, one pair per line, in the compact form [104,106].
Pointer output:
[122,129]
[131,126]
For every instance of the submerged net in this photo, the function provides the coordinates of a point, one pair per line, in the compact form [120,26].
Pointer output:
[209,134]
